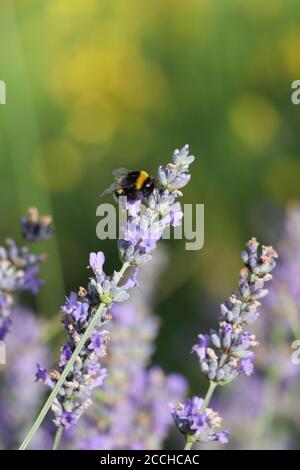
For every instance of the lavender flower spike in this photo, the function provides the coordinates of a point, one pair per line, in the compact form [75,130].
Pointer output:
[87,373]
[147,222]
[226,353]
[86,312]
[131,412]
[18,272]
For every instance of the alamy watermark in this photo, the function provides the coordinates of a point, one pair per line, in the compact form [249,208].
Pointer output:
[2,92]
[295,357]
[113,226]
[2,353]
[295,96]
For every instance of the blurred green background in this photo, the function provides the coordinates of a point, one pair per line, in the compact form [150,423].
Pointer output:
[95,85]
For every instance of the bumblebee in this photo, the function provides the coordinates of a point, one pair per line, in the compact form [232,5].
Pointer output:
[132,184]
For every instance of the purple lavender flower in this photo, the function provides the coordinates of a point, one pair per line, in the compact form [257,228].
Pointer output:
[201,424]
[270,396]
[6,305]
[225,353]
[147,221]
[96,262]
[176,175]
[279,326]
[42,375]
[98,342]
[87,372]
[131,412]
[19,269]
[36,228]
[19,396]
[65,356]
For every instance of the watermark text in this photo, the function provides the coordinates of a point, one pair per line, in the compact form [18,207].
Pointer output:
[2,92]
[189,226]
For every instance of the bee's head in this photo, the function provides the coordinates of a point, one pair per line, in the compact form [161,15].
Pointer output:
[148,186]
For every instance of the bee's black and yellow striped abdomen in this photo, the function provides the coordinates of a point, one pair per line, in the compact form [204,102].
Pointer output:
[141,179]
[134,183]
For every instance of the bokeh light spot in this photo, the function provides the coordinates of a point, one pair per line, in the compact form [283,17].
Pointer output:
[282,180]
[290,52]
[93,124]
[255,121]
[58,166]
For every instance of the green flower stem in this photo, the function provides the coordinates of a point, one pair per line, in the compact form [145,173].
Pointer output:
[62,378]
[68,367]
[209,394]
[189,443]
[210,391]
[212,386]
[57,438]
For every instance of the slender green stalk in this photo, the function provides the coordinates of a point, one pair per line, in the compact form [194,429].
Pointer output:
[57,438]
[68,367]
[209,394]
[212,386]
[62,378]
[189,444]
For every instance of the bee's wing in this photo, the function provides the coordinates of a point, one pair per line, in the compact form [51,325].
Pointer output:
[112,188]
[118,174]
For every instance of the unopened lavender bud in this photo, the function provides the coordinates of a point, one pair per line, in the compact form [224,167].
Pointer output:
[220,375]
[260,294]
[215,340]
[180,181]
[162,176]
[36,228]
[204,367]
[211,374]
